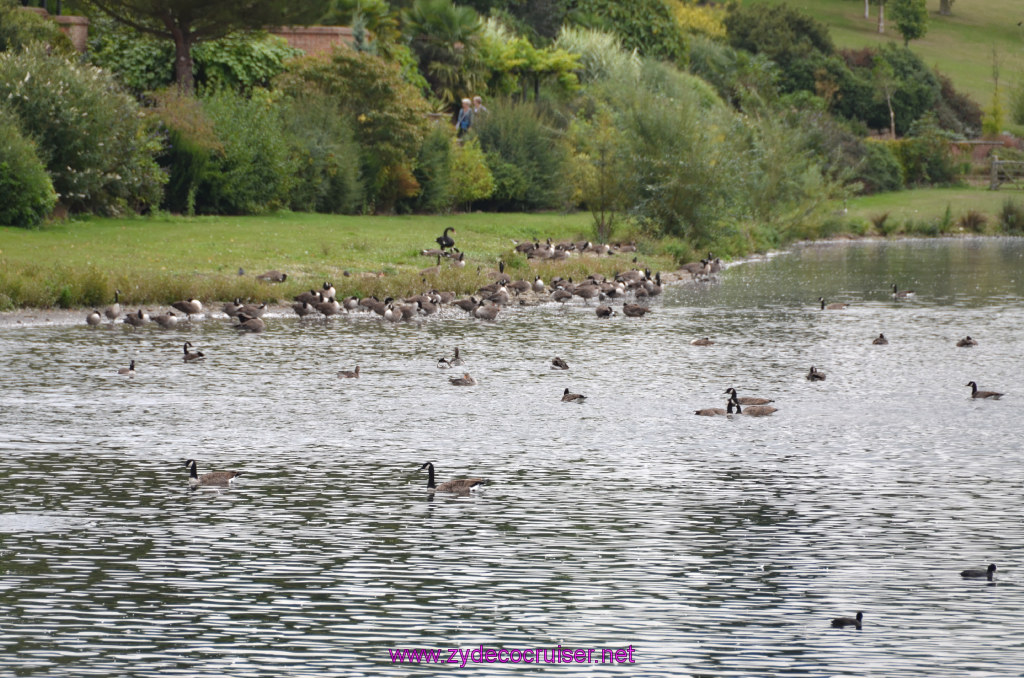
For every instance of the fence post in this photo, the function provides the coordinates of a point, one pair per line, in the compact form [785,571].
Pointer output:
[993,184]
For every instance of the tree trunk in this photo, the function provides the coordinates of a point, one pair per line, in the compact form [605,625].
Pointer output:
[945,7]
[183,40]
[892,116]
[881,17]
[867,9]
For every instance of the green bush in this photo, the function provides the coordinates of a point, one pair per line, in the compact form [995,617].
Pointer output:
[1011,217]
[254,171]
[191,144]
[471,180]
[526,156]
[782,33]
[926,159]
[434,171]
[241,61]
[26,194]
[879,170]
[19,29]
[141,62]
[326,155]
[644,25]
[90,134]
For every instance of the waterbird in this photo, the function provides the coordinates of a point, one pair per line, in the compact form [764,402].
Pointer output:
[975,393]
[715,411]
[634,310]
[114,309]
[842,622]
[273,276]
[456,360]
[303,308]
[212,479]
[189,307]
[443,364]
[559,364]
[815,375]
[901,294]
[249,324]
[967,341]
[458,486]
[835,306]
[232,308]
[464,380]
[706,341]
[444,241]
[94,318]
[880,340]
[166,320]
[986,573]
[605,311]
[128,371]
[190,356]
[747,400]
[344,374]
[572,397]
[137,319]
[754,410]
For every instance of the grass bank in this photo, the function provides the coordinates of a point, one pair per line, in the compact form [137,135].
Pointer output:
[162,259]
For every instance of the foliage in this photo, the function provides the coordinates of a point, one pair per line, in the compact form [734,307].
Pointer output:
[879,170]
[780,32]
[972,221]
[434,171]
[26,193]
[737,75]
[956,111]
[1011,217]
[600,55]
[697,19]
[910,17]
[526,156]
[471,180]
[326,155]
[241,60]
[1017,104]
[19,29]
[646,26]
[191,145]
[254,171]
[140,62]
[387,114]
[514,63]
[599,166]
[90,135]
[926,158]
[444,38]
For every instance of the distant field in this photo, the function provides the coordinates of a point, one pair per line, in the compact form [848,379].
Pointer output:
[961,45]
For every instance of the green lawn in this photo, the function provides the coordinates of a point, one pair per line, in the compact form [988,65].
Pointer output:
[961,45]
[930,203]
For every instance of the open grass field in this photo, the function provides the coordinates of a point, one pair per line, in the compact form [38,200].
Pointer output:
[961,45]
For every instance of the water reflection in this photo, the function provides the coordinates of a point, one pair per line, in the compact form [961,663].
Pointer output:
[714,546]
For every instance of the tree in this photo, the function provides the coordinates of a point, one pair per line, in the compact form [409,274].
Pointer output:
[444,38]
[911,17]
[945,7]
[188,22]
[881,16]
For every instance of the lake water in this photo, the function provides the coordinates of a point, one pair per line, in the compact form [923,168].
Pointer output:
[710,546]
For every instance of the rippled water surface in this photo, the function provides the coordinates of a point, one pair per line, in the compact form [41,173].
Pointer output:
[713,547]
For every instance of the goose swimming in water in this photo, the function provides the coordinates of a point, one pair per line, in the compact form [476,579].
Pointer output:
[456,361]
[128,371]
[967,341]
[572,397]
[706,341]
[842,622]
[344,374]
[605,312]
[986,573]
[754,410]
[559,364]
[213,479]
[880,340]
[975,393]
[443,364]
[835,306]
[458,486]
[747,400]
[815,375]
[189,356]
[901,294]
[464,380]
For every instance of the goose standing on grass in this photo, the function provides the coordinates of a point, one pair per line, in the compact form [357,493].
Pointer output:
[815,375]
[114,309]
[464,380]
[273,276]
[191,357]
[168,320]
[456,361]
[967,341]
[747,400]
[975,393]
[94,318]
[458,486]
[213,479]
[344,374]
[843,622]
[986,573]
[444,241]
[572,397]
[189,307]
[128,371]
[559,364]
[835,306]
[901,294]
[880,340]
[137,319]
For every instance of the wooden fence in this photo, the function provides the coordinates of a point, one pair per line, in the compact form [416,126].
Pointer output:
[1006,172]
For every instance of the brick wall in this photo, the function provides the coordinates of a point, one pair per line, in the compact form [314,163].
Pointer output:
[315,39]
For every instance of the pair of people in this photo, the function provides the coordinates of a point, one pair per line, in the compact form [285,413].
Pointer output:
[469,111]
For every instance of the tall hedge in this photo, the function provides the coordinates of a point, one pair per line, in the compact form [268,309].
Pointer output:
[26,194]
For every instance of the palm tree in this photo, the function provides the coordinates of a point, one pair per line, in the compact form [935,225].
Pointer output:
[444,37]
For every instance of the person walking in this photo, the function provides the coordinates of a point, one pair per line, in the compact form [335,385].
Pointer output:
[465,119]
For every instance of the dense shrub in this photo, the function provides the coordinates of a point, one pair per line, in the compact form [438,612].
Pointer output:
[644,25]
[326,155]
[525,155]
[90,134]
[26,194]
[434,171]
[191,144]
[926,158]
[1011,216]
[254,171]
[957,111]
[140,61]
[879,169]
[601,55]
[780,32]
[471,180]
[19,29]
[241,61]
[735,74]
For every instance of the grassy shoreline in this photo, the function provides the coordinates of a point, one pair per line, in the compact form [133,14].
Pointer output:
[156,260]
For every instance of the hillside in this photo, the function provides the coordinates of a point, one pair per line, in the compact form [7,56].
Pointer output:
[961,46]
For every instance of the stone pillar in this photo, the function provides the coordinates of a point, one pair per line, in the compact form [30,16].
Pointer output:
[76,28]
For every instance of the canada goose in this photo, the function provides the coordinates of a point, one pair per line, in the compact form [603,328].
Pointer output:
[350,303]
[459,486]
[344,374]
[273,276]
[841,622]
[835,306]
[189,307]
[486,312]
[433,253]
[328,307]
[192,357]
[716,411]
[654,288]
[975,393]
[634,310]
[559,364]
[128,371]
[987,573]
[748,400]
[464,380]
[250,324]
[232,308]
[213,479]
[901,294]
[572,397]
[114,309]
[444,241]
[456,361]
[605,312]
[586,292]
[311,297]
[327,289]
[815,375]
[302,309]
[459,261]
[167,320]
[967,341]
[520,286]
[538,285]
[754,410]
[467,305]
[137,319]
[433,270]
[443,364]
[880,340]
[706,341]
[499,275]
[94,318]
[561,295]
[254,310]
